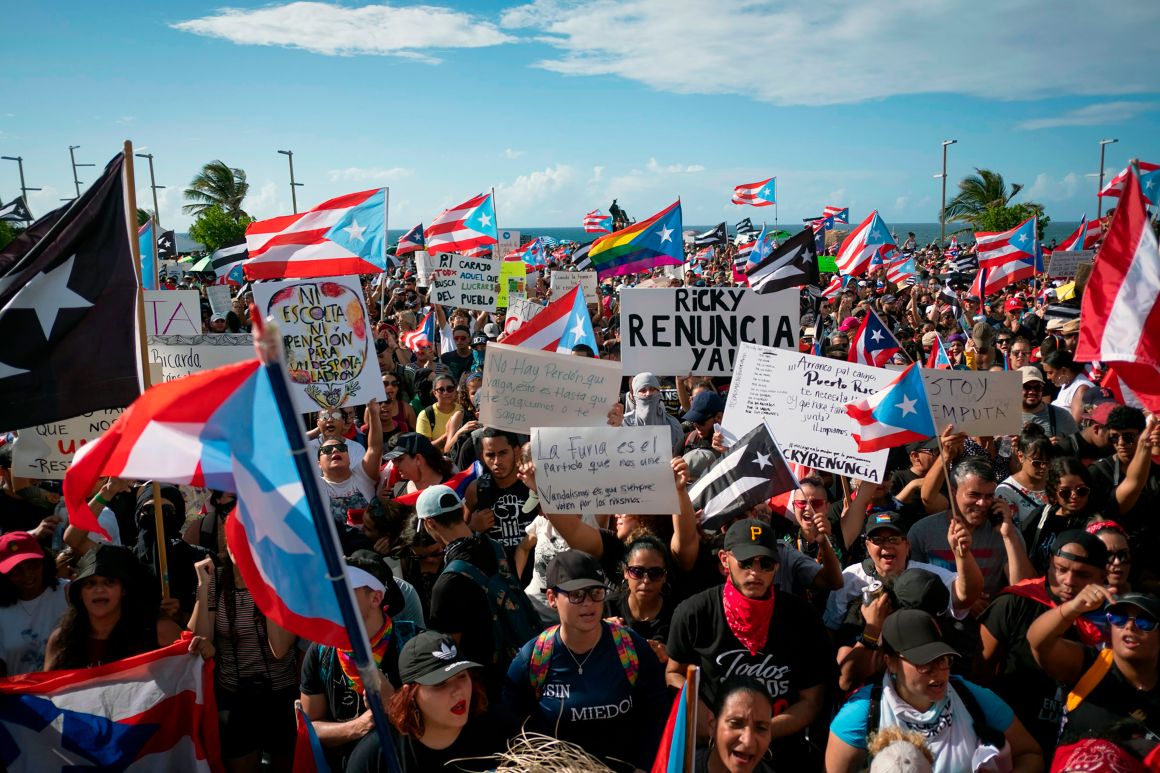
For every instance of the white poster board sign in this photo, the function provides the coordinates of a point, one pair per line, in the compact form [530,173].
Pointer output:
[172,312]
[508,241]
[327,338]
[219,298]
[519,311]
[424,265]
[463,282]
[1065,262]
[681,330]
[180,356]
[46,451]
[563,281]
[525,388]
[604,469]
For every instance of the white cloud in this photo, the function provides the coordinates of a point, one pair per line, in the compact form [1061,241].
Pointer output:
[509,153]
[526,199]
[335,30]
[832,52]
[368,174]
[1092,115]
[901,203]
[1048,189]
[656,168]
[125,120]
[267,201]
[597,174]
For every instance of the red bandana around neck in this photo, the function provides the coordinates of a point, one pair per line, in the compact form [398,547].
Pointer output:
[1036,590]
[748,618]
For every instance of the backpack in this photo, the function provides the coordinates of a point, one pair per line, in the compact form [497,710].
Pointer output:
[513,618]
[986,734]
[542,656]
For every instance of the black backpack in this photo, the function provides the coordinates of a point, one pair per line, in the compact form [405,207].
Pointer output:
[986,734]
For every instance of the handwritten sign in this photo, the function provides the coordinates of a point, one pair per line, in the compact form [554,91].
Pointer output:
[519,311]
[525,388]
[424,265]
[172,312]
[219,298]
[470,283]
[697,330]
[604,469]
[1066,262]
[979,403]
[326,335]
[179,356]
[512,279]
[563,281]
[46,450]
[508,241]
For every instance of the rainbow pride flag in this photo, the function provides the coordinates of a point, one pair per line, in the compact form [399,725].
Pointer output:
[644,245]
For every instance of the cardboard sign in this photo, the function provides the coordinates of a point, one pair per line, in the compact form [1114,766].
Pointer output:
[179,356]
[1066,262]
[977,402]
[46,451]
[463,282]
[604,470]
[676,331]
[424,265]
[512,279]
[563,281]
[172,312]
[508,241]
[519,311]
[219,298]
[327,338]
[525,388]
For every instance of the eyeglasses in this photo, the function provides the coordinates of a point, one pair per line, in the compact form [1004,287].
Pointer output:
[333,448]
[331,415]
[1065,492]
[764,563]
[654,573]
[879,540]
[941,662]
[596,593]
[1143,624]
[444,389]
[816,503]
[1123,556]
[1129,438]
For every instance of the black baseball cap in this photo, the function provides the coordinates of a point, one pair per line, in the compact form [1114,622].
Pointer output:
[886,519]
[930,444]
[750,537]
[411,443]
[1094,548]
[915,636]
[1145,601]
[575,570]
[921,590]
[431,658]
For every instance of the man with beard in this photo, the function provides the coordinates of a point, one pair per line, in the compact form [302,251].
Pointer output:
[497,500]
[1078,560]
[1056,422]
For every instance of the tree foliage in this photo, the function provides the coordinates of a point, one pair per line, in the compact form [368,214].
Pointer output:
[215,227]
[217,184]
[8,232]
[984,203]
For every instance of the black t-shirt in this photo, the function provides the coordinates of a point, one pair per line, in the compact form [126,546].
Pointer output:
[459,605]
[322,674]
[508,506]
[656,629]
[1114,700]
[1107,474]
[482,736]
[456,364]
[1041,539]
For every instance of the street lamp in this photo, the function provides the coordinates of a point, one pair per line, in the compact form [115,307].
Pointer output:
[942,212]
[1099,199]
[76,180]
[24,189]
[152,184]
[293,194]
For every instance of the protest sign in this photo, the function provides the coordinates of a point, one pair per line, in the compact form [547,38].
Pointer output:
[604,469]
[326,335]
[508,241]
[219,298]
[676,331]
[181,355]
[827,264]
[519,311]
[512,279]
[525,388]
[470,283]
[172,312]
[804,398]
[977,402]
[46,450]
[563,281]
[1066,262]
[424,265]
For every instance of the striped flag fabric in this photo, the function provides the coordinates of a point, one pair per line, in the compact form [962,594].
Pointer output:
[343,236]
[979,286]
[837,214]
[964,263]
[423,335]
[532,253]
[759,194]
[15,211]
[545,330]
[995,278]
[1018,243]
[1120,312]
[412,241]
[835,287]
[648,244]
[464,227]
[901,269]
[819,224]
[894,416]
[715,235]
[479,252]
[1076,239]
[596,222]
[678,739]
[1095,232]
[750,472]
[938,359]
[225,259]
[308,754]
[744,226]
[873,344]
[862,245]
[459,482]
[1148,180]
[792,264]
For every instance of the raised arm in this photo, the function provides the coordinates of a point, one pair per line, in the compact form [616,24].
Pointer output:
[1060,658]
[1130,488]
[373,458]
[686,541]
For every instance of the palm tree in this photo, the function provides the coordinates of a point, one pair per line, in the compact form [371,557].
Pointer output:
[978,193]
[217,185]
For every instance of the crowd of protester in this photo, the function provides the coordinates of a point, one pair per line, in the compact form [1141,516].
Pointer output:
[990,606]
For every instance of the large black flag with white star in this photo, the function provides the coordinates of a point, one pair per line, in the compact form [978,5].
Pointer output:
[68,299]
[751,472]
[715,235]
[793,263]
[15,210]
[166,246]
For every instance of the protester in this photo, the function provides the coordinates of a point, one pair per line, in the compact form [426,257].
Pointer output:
[1119,566]
[1057,422]
[1068,487]
[433,420]
[1024,490]
[32,601]
[498,499]
[645,602]
[740,729]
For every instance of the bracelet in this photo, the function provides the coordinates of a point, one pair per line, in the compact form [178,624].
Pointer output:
[869,642]
[100,499]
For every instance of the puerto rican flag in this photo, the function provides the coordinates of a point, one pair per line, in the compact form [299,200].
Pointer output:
[837,214]
[1077,238]
[464,227]
[758,194]
[873,344]
[459,482]
[153,711]
[531,253]
[1149,182]
[422,335]
[938,359]
[596,222]
[824,223]
[478,252]
[412,241]
[762,246]
[343,236]
[991,280]
[997,248]
[900,268]
[222,429]
[1120,314]
[545,330]
[836,285]
[1095,232]
[897,415]
[704,254]
[862,246]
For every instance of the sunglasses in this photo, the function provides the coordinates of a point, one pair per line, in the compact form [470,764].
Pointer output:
[880,540]
[459,339]
[1123,555]
[333,448]
[1039,464]
[764,563]
[390,383]
[596,593]
[444,389]
[1143,624]
[1080,491]
[654,573]
[1019,352]
[1129,438]
[816,503]
[1032,387]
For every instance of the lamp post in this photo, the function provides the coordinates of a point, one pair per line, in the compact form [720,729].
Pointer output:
[1100,199]
[293,194]
[24,189]
[942,212]
[152,184]
[76,180]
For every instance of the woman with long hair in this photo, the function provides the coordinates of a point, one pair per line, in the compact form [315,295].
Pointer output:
[465,420]
[1067,374]
[418,463]
[432,420]
[741,728]
[396,414]
[1024,489]
[1070,505]
[643,604]
[32,600]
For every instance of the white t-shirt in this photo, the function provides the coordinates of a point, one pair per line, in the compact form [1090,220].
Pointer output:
[356,492]
[855,578]
[25,627]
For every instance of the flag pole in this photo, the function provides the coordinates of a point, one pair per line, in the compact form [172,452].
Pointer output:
[942,460]
[269,347]
[143,346]
[692,699]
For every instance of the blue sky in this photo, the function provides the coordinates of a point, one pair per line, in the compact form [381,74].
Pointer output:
[562,106]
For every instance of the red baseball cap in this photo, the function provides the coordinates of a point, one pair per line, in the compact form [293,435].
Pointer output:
[17,547]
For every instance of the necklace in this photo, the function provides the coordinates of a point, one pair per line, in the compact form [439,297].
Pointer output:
[579,663]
